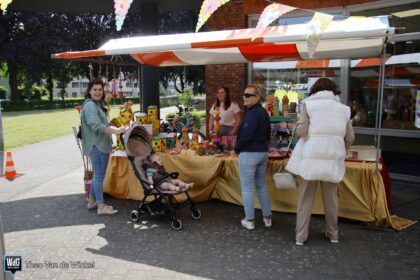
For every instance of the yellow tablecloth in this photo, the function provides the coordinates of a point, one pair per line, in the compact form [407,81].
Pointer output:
[361,194]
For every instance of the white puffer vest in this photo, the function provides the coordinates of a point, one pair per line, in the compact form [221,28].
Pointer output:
[321,154]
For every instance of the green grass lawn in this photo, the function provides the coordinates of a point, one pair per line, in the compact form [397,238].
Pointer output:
[28,127]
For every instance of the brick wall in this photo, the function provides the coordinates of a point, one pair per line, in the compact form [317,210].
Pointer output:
[234,76]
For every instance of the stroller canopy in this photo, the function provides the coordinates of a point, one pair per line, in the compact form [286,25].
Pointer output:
[137,142]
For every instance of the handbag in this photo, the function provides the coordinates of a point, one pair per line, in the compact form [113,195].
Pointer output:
[79,133]
[284,179]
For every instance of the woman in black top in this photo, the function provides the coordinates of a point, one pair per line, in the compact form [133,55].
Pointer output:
[252,147]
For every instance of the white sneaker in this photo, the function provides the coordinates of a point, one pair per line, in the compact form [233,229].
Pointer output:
[107,210]
[267,222]
[331,239]
[91,206]
[249,225]
[299,243]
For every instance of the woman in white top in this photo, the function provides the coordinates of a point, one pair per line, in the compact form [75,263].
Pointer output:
[326,132]
[230,113]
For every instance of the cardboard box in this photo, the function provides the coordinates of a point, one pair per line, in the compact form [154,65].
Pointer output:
[367,153]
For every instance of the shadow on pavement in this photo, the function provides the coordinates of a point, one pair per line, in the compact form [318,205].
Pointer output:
[218,248]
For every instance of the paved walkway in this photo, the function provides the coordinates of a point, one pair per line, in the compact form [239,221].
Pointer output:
[45,221]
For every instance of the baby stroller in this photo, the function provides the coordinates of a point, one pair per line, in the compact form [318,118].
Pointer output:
[138,147]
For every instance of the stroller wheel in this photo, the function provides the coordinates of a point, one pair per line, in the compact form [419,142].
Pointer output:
[196,214]
[135,216]
[176,224]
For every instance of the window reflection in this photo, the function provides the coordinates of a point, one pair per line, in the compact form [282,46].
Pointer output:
[293,78]
[401,89]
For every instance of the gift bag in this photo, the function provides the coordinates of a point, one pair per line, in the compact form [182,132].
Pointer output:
[88,178]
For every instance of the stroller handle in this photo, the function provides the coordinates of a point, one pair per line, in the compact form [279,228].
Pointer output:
[122,139]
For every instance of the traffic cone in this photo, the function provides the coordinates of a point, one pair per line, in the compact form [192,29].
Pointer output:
[10,171]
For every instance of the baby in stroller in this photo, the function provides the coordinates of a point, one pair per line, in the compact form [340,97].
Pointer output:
[138,148]
[156,171]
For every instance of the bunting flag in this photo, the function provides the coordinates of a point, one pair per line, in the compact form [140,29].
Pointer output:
[207,9]
[121,10]
[318,24]
[270,13]
[4,3]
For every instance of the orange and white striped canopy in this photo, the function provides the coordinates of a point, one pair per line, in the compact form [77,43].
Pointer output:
[349,38]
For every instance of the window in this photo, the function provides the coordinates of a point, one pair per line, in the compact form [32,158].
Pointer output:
[401,94]
[75,84]
[85,85]
[74,94]
[128,84]
[401,88]
[293,78]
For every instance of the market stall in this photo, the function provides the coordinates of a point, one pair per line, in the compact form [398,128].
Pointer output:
[362,192]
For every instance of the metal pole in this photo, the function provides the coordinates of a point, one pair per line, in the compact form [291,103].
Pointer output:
[140,85]
[1,144]
[379,105]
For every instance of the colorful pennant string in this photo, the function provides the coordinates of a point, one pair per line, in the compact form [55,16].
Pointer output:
[4,3]
[121,10]
[207,9]
[270,13]
[318,24]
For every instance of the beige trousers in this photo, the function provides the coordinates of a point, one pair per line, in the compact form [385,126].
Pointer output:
[306,199]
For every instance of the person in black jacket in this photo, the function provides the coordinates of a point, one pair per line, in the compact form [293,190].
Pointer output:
[252,147]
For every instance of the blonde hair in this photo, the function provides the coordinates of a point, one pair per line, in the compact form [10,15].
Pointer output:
[257,90]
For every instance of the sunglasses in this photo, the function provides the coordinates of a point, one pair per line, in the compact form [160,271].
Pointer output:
[248,95]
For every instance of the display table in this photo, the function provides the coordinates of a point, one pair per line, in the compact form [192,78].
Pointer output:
[361,193]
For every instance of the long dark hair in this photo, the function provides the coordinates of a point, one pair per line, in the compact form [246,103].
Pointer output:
[92,83]
[324,84]
[227,98]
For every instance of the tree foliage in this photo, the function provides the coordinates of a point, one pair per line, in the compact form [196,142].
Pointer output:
[181,22]
[27,41]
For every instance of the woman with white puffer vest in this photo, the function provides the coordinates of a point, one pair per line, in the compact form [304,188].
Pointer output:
[325,132]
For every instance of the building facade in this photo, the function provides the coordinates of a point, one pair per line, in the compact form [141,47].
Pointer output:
[77,89]
[399,124]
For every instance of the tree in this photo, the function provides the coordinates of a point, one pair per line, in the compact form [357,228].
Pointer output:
[180,22]
[196,76]
[28,39]
[27,43]
[7,53]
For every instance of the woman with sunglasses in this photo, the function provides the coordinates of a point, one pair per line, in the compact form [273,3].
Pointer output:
[230,113]
[252,147]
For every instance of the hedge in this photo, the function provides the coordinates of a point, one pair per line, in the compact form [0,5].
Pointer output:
[9,106]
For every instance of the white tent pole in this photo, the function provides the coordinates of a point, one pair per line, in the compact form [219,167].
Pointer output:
[380,104]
